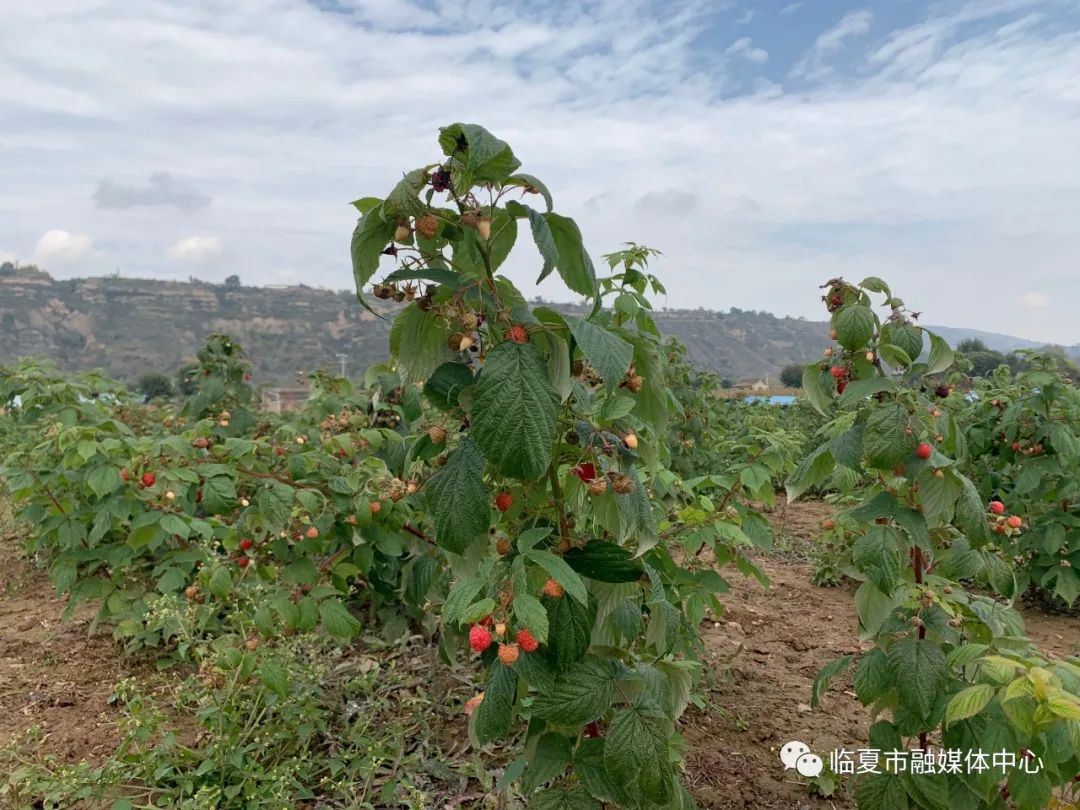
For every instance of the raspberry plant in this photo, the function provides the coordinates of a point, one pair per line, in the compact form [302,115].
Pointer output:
[950,666]
[546,432]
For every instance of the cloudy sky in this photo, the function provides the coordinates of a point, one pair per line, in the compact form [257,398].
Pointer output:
[765,146]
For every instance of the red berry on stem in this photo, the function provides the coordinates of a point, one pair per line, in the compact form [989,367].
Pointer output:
[586,471]
[553,589]
[508,653]
[838,372]
[503,501]
[124,476]
[479,638]
[148,479]
[243,562]
[246,543]
[924,450]
[517,333]
[997,507]
[840,386]
[1015,521]
[526,641]
[312,533]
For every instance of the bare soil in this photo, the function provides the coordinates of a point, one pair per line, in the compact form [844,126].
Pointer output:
[763,654]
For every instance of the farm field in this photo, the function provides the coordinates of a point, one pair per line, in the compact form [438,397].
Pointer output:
[536,560]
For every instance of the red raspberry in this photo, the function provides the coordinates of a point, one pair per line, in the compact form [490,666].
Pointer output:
[553,589]
[148,479]
[1015,522]
[924,450]
[246,543]
[517,333]
[840,386]
[585,471]
[503,501]
[124,476]
[312,533]
[508,653]
[839,372]
[997,507]
[243,562]
[526,641]
[479,638]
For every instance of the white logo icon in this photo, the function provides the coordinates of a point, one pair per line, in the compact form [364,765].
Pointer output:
[798,756]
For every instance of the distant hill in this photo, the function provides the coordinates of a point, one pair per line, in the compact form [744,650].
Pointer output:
[131,326]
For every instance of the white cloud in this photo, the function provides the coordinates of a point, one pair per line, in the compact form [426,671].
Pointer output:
[790,8]
[814,65]
[195,249]
[943,167]
[58,247]
[1036,300]
[744,47]
[745,18]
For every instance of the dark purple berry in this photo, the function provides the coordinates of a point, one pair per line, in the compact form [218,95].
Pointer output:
[440,181]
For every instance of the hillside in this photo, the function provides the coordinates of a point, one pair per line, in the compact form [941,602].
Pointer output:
[132,326]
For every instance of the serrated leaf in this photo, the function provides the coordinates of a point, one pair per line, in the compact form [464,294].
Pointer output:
[446,383]
[919,670]
[877,554]
[220,583]
[418,343]
[404,199]
[608,353]
[459,500]
[970,513]
[513,411]
[528,181]
[906,337]
[846,447]
[579,695]
[872,607]
[811,471]
[857,390]
[274,677]
[529,613]
[605,562]
[941,356]
[825,676]
[549,759]
[574,265]
[968,702]
[814,387]
[635,752]
[881,791]
[569,630]
[889,438]
[337,619]
[370,237]
[563,798]
[854,325]
[872,678]
[542,238]
[485,157]
[495,713]
[589,767]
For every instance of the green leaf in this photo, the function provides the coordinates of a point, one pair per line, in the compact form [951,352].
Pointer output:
[893,355]
[970,513]
[337,619]
[881,791]
[854,325]
[809,472]
[174,524]
[580,694]
[562,573]
[485,158]
[531,614]
[877,554]
[550,758]
[404,200]
[968,702]
[941,356]
[846,447]
[562,798]
[872,678]
[418,341]
[889,438]
[1030,791]
[528,181]
[825,676]
[608,353]
[459,500]
[569,630]
[513,411]
[543,238]
[461,595]
[589,767]
[574,265]
[477,610]
[872,607]
[861,389]
[495,713]
[103,479]
[875,284]
[220,583]
[274,677]
[919,670]
[446,383]
[814,382]
[635,752]
[605,562]
[906,337]
[369,239]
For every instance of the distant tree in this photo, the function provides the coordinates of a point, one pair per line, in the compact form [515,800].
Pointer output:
[726,382]
[791,375]
[983,359]
[154,386]
[232,281]
[7,269]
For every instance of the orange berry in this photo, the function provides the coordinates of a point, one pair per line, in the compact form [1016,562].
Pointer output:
[508,653]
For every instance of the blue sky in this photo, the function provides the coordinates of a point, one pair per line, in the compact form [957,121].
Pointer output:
[763,146]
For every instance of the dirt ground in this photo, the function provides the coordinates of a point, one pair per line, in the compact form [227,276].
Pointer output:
[763,654]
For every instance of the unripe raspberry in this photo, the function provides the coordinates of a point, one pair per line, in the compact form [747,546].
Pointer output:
[597,487]
[437,434]
[623,484]
[473,703]
[483,227]
[1015,521]
[479,638]
[517,333]
[503,546]
[500,629]
[508,653]
[427,226]
[635,383]
[630,440]
[402,232]
[553,589]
